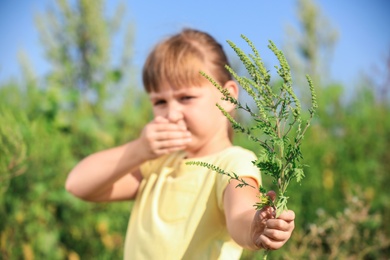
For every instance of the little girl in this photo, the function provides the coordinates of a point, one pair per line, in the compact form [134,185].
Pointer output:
[183,211]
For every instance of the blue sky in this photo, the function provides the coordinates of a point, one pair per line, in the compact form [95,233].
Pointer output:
[363,26]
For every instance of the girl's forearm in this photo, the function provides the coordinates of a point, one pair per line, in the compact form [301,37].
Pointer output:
[101,170]
[240,229]
[240,213]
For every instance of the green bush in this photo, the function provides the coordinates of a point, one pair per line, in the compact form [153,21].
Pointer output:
[38,217]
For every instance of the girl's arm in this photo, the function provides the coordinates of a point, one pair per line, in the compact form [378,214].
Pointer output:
[107,175]
[114,174]
[254,229]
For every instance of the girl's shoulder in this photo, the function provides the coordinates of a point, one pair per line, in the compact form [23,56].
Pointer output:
[234,153]
[238,150]
[231,158]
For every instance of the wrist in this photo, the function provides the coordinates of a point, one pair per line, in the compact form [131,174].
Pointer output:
[137,152]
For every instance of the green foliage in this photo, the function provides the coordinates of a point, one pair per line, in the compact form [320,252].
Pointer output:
[309,47]
[48,125]
[37,214]
[278,125]
[352,233]
[78,40]
[13,146]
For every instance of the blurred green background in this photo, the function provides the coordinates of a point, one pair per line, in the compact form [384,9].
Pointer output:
[86,103]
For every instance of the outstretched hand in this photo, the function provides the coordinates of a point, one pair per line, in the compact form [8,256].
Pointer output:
[271,233]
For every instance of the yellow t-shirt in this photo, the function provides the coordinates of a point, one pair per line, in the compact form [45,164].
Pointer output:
[178,212]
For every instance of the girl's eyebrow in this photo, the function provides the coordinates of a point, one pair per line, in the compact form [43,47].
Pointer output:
[155,94]
[177,92]
[181,92]
[187,90]
[155,97]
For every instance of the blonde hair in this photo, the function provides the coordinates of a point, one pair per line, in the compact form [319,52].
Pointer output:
[178,60]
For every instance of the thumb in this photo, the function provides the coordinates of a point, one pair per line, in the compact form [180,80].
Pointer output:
[272,195]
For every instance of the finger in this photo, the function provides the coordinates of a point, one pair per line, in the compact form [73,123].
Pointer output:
[169,147]
[276,235]
[266,213]
[278,224]
[165,127]
[272,195]
[164,131]
[172,144]
[176,136]
[164,151]
[269,244]
[158,140]
[162,120]
[287,215]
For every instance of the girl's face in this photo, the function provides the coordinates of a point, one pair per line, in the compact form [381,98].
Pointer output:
[195,108]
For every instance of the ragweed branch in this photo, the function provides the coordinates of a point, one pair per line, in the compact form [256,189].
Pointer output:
[278,118]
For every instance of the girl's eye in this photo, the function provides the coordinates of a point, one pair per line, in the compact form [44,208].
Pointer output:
[159,102]
[185,98]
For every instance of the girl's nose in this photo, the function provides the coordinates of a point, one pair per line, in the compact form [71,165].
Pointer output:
[174,114]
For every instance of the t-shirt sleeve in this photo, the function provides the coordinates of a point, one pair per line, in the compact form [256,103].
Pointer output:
[146,168]
[241,163]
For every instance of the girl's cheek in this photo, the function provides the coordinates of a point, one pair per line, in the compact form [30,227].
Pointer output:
[157,112]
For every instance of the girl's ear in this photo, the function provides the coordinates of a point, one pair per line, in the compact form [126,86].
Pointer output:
[232,87]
